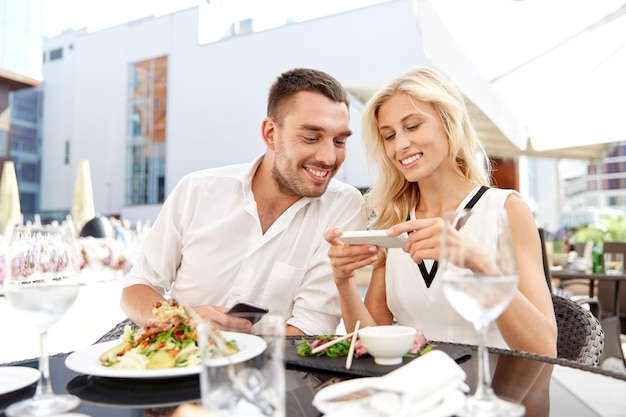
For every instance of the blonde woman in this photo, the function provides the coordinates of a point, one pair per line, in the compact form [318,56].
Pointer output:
[430,161]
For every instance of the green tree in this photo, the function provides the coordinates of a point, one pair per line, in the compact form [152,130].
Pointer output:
[610,229]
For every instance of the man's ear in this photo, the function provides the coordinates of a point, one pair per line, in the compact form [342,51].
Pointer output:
[268,130]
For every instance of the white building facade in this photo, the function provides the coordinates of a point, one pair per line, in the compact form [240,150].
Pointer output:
[202,105]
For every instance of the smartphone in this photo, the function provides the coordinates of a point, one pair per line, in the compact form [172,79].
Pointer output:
[373,237]
[248,310]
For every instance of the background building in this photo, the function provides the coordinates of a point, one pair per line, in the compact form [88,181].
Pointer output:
[21,44]
[145,103]
[602,190]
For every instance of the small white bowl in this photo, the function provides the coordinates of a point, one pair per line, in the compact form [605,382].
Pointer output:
[387,344]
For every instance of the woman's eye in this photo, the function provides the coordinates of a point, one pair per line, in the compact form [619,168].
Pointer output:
[389,136]
[412,127]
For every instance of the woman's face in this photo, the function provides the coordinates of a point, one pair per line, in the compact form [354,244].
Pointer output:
[413,135]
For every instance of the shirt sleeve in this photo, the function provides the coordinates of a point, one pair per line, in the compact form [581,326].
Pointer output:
[161,249]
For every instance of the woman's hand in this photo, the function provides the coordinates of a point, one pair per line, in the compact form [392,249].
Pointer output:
[424,242]
[424,237]
[345,259]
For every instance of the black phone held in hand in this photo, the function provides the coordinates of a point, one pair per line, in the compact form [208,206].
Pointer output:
[248,310]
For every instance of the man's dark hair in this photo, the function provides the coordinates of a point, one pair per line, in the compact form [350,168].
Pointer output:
[303,79]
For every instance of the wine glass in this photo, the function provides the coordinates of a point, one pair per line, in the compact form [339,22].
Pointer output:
[479,279]
[41,285]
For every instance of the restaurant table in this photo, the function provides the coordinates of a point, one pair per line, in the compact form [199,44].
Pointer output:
[546,386]
[592,278]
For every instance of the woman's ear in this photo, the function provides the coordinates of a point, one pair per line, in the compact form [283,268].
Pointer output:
[268,130]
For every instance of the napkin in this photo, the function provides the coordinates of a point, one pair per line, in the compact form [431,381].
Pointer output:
[430,385]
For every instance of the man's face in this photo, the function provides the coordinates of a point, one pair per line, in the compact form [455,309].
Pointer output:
[309,144]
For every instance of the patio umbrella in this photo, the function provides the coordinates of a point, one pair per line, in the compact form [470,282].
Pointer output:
[83,207]
[10,211]
[559,65]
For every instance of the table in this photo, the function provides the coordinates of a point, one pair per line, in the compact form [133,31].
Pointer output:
[546,386]
[592,278]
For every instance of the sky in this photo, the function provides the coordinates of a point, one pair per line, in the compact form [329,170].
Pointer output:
[59,15]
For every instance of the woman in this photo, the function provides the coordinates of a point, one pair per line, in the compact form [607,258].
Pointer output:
[430,161]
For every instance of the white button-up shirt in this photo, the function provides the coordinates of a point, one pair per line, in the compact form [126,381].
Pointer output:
[208,240]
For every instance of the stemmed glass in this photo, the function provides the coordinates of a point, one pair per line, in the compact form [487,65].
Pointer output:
[41,285]
[479,279]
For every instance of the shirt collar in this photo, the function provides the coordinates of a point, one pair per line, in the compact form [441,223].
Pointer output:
[245,177]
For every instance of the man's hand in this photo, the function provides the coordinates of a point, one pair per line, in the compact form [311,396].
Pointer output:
[216,315]
[192,410]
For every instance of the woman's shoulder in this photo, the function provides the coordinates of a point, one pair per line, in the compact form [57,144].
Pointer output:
[500,195]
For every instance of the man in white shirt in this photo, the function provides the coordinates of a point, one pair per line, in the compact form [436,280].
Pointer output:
[255,232]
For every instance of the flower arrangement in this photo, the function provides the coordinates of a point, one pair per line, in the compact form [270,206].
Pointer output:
[102,254]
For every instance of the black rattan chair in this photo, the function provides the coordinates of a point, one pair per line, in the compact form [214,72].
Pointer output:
[581,338]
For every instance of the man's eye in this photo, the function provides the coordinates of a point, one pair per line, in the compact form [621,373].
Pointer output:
[340,142]
[309,139]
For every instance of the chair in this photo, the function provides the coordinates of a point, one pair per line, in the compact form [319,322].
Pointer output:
[591,303]
[580,335]
[606,290]
[546,260]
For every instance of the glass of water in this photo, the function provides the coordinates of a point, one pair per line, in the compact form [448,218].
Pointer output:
[252,382]
[479,281]
[41,285]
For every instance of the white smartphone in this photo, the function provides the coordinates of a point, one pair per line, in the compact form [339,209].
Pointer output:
[373,237]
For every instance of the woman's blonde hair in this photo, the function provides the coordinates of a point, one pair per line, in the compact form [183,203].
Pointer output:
[392,196]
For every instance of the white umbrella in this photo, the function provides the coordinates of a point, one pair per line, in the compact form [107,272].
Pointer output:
[559,64]
[10,211]
[83,207]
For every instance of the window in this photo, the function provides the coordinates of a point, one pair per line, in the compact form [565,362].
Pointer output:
[56,54]
[146,132]
[30,172]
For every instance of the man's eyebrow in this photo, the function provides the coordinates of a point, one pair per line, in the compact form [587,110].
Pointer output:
[315,128]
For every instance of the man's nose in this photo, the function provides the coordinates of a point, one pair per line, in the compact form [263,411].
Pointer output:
[327,153]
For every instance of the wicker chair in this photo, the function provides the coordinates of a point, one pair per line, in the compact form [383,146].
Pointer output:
[581,338]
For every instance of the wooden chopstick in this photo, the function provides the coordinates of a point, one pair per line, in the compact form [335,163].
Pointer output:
[331,343]
[352,345]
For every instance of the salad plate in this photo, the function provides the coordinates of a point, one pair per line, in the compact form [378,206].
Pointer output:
[13,378]
[87,361]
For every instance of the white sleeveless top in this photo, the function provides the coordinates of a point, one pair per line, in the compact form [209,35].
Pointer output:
[414,304]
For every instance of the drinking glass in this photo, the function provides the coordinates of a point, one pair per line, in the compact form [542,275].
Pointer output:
[614,263]
[251,388]
[41,284]
[479,277]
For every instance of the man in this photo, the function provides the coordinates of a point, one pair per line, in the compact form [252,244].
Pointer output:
[254,232]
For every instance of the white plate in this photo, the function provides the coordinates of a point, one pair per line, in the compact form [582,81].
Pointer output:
[13,378]
[373,237]
[87,361]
